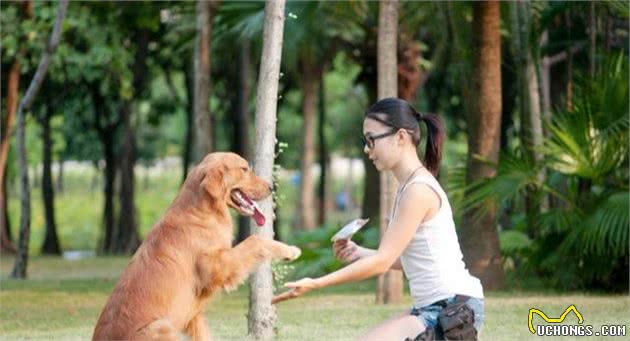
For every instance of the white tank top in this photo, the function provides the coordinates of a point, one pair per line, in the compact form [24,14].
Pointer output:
[433,261]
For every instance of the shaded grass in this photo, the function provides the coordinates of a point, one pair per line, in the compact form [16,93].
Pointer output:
[62,300]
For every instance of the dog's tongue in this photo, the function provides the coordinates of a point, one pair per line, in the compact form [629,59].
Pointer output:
[258,216]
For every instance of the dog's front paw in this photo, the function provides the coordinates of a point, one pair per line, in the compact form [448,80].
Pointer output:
[291,253]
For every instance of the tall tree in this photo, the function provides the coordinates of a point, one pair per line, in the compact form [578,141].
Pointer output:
[128,238]
[324,156]
[529,94]
[106,126]
[203,118]
[241,124]
[13,86]
[311,76]
[262,315]
[21,261]
[480,242]
[51,241]
[390,285]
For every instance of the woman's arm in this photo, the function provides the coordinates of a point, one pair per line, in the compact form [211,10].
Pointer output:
[414,206]
[365,252]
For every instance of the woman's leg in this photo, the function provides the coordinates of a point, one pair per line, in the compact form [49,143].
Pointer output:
[396,329]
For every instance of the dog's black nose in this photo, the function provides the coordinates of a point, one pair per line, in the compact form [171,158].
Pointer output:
[271,188]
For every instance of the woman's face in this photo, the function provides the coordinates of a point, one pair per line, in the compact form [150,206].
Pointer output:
[384,151]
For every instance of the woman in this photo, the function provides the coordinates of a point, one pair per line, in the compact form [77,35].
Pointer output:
[420,238]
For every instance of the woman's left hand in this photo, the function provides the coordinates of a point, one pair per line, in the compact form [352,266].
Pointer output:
[298,288]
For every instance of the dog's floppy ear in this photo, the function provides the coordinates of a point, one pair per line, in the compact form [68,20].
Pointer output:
[212,182]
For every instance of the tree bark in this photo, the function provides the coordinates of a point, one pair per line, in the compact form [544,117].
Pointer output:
[106,133]
[241,130]
[324,156]
[13,86]
[190,117]
[262,315]
[310,83]
[370,203]
[6,246]
[21,261]
[530,109]
[203,121]
[390,285]
[108,190]
[592,39]
[480,242]
[51,242]
[127,238]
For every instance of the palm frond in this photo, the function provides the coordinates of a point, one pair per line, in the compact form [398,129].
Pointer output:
[606,229]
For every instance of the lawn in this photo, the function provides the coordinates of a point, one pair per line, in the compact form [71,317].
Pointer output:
[61,300]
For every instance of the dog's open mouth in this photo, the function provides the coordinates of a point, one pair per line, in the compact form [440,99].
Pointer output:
[247,206]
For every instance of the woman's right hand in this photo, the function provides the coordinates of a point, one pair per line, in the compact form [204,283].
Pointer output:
[346,250]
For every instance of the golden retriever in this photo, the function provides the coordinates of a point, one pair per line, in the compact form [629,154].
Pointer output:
[188,256]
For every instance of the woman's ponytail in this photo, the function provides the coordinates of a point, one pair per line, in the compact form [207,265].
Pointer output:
[435,141]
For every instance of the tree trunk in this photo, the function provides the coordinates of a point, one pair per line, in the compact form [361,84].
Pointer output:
[324,157]
[51,242]
[262,315]
[241,130]
[190,117]
[545,78]
[592,39]
[529,93]
[569,85]
[311,75]
[127,238]
[390,285]
[509,88]
[6,246]
[13,86]
[480,242]
[370,202]
[106,133]
[203,121]
[107,141]
[21,261]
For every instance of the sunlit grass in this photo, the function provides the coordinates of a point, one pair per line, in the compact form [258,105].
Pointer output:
[62,300]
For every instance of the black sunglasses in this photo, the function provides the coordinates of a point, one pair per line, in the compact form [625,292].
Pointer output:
[369,140]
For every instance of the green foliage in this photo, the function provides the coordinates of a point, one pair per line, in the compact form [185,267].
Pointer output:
[582,239]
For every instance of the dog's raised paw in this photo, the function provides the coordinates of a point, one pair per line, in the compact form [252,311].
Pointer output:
[292,253]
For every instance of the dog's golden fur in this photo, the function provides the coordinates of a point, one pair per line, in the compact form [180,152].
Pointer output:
[188,256]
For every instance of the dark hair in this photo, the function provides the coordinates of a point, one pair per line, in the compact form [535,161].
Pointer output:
[399,114]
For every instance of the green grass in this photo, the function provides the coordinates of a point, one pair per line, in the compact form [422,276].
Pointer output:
[61,300]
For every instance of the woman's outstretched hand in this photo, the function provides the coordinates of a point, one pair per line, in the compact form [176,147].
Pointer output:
[298,288]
